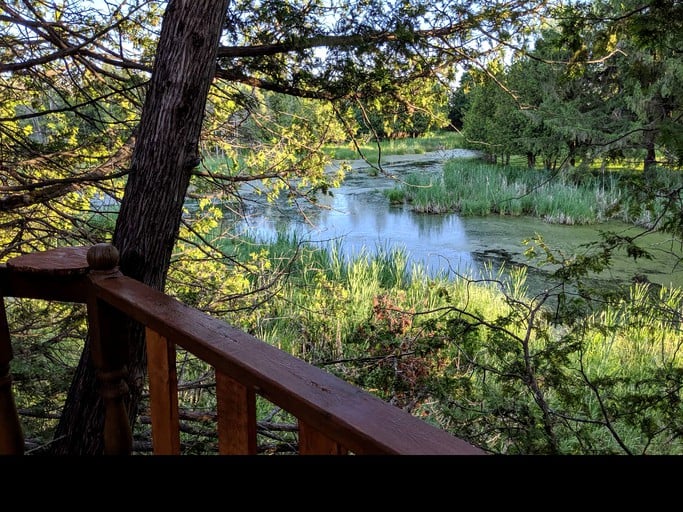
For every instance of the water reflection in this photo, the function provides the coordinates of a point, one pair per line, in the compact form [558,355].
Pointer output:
[357,218]
[439,243]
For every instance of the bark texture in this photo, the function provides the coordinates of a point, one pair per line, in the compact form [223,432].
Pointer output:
[166,151]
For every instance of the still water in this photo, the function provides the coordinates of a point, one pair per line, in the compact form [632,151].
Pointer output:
[358,218]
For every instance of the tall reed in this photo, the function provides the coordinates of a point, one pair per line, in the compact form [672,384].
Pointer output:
[470,187]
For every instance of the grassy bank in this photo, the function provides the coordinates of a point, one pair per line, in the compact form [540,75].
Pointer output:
[481,359]
[515,373]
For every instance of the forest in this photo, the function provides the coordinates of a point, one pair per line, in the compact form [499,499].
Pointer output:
[156,125]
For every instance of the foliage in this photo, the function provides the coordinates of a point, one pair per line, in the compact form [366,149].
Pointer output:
[372,152]
[595,85]
[498,368]
[587,372]
[47,340]
[558,372]
[416,110]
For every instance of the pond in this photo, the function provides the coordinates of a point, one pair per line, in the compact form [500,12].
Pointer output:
[358,218]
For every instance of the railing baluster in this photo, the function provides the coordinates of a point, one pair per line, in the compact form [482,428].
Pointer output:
[111,372]
[163,392]
[236,406]
[11,435]
[313,442]
[109,354]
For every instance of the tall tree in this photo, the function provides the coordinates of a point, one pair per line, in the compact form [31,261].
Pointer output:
[603,79]
[651,37]
[166,151]
[340,52]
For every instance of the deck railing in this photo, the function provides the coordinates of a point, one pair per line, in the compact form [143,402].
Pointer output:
[334,417]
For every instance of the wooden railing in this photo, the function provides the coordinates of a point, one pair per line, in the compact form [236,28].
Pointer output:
[334,417]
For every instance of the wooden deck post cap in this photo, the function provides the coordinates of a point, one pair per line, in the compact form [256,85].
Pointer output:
[103,256]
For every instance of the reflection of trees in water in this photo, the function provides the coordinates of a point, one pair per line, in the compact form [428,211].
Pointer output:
[438,226]
[359,216]
[356,206]
[364,222]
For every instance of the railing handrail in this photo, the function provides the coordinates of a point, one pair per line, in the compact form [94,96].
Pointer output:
[349,416]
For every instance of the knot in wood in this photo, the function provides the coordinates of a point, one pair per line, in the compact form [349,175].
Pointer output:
[103,257]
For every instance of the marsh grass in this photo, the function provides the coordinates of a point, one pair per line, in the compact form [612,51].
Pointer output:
[410,146]
[477,356]
[480,356]
[463,353]
[472,188]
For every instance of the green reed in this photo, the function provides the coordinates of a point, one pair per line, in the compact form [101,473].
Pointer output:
[472,188]
[604,377]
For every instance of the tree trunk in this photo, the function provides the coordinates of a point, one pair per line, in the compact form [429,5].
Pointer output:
[166,151]
[650,161]
[658,110]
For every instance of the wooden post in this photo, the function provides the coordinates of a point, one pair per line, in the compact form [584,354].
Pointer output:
[236,406]
[314,442]
[109,353]
[11,435]
[163,394]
